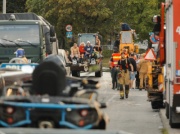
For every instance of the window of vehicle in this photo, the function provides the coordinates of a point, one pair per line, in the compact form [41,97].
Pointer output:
[87,37]
[26,33]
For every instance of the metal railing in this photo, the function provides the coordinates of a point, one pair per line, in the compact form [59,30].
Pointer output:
[107,47]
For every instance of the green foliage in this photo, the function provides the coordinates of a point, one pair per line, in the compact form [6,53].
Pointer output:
[14,6]
[107,53]
[104,16]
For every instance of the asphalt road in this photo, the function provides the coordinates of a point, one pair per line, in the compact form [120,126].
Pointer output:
[133,115]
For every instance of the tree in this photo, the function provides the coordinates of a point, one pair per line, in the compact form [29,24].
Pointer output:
[83,15]
[14,6]
[104,16]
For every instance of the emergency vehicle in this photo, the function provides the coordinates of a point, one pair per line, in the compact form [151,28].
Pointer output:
[168,76]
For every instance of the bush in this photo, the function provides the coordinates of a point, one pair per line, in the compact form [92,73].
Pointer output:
[107,53]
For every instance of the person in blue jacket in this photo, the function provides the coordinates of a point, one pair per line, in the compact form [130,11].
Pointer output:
[88,50]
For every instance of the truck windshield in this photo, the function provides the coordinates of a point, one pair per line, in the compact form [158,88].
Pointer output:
[87,37]
[126,37]
[28,33]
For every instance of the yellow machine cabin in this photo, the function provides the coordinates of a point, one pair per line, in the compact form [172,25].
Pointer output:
[127,42]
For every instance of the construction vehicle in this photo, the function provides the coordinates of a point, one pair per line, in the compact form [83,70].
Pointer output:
[94,64]
[164,85]
[127,37]
[155,79]
[27,31]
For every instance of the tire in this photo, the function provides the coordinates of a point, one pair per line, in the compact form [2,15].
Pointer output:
[101,125]
[171,119]
[167,111]
[98,74]
[76,73]
[156,104]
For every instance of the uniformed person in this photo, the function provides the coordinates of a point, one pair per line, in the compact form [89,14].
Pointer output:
[143,69]
[124,76]
[20,53]
[113,64]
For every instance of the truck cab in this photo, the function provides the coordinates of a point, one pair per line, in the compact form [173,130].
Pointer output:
[127,42]
[26,31]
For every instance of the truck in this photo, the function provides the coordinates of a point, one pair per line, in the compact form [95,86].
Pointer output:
[166,71]
[92,65]
[28,31]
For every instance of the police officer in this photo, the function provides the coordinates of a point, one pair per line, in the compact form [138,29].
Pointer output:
[123,75]
[20,53]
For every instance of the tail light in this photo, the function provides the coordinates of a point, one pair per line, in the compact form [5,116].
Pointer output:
[10,120]
[84,112]
[81,123]
[9,110]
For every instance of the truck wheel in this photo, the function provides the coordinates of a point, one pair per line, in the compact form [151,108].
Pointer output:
[155,105]
[76,73]
[167,111]
[101,125]
[98,74]
[172,118]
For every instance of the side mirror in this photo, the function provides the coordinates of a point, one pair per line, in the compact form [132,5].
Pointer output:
[52,39]
[52,31]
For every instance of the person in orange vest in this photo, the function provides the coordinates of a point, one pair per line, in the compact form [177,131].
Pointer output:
[124,75]
[113,64]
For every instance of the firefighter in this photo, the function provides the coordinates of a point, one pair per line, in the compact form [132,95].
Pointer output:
[123,75]
[113,63]
[143,69]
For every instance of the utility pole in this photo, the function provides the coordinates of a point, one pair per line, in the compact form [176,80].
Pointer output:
[4,6]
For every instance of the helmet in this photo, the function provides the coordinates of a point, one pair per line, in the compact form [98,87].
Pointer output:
[20,52]
[88,41]
[156,19]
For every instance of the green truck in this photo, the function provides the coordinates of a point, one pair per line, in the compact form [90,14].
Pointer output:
[27,31]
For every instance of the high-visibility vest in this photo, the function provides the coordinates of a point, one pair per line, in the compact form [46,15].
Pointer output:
[115,58]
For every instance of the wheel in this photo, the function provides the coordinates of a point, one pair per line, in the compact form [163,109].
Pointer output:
[157,104]
[76,73]
[173,119]
[98,74]
[101,125]
[167,111]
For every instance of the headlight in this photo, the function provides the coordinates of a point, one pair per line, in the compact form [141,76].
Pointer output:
[74,61]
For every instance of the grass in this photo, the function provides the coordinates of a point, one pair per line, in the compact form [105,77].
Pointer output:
[105,62]
[164,131]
